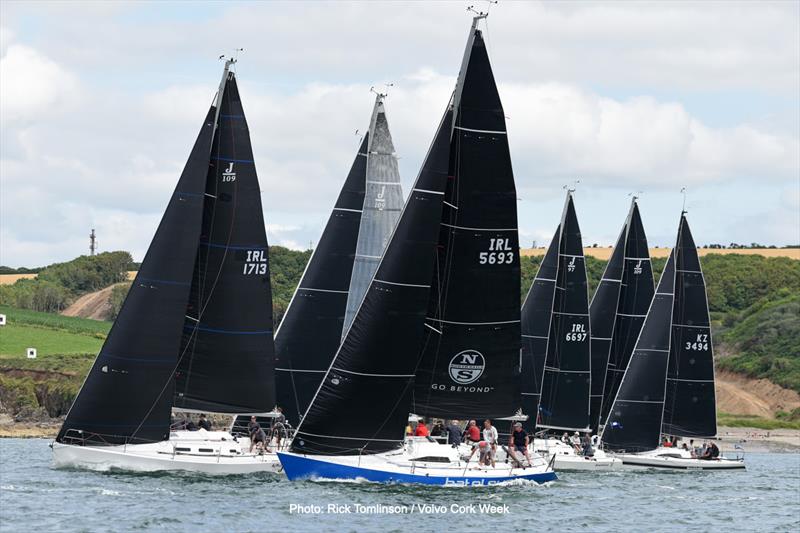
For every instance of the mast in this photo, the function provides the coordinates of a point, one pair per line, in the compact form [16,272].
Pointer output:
[383,202]
[564,401]
[320,300]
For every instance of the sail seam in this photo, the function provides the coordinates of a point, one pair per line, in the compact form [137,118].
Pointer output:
[299,370]
[346,438]
[321,290]
[440,193]
[472,323]
[477,229]
[402,284]
[498,132]
[347,209]
[370,375]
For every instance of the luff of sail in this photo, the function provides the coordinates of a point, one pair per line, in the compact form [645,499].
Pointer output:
[536,314]
[470,362]
[372,373]
[690,403]
[127,395]
[311,329]
[636,293]
[564,402]
[383,202]
[226,361]
[634,419]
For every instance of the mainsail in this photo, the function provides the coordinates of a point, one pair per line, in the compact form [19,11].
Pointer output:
[226,361]
[690,403]
[383,202]
[635,295]
[470,361]
[370,378]
[311,329]
[536,313]
[564,402]
[617,311]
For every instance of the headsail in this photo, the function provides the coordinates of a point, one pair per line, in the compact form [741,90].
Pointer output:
[127,394]
[383,202]
[690,403]
[636,293]
[537,311]
[226,360]
[470,362]
[371,375]
[564,402]
[311,330]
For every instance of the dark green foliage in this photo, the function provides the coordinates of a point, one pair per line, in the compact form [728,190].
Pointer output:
[118,294]
[736,282]
[36,294]
[766,340]
[89,273]
[286,269]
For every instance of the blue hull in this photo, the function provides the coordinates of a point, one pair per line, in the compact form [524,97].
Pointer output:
[298,467]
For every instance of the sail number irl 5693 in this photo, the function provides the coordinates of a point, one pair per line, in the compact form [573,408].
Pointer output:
[256,262]
[499,253]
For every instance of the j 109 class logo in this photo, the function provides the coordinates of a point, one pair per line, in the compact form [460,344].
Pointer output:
[466,367]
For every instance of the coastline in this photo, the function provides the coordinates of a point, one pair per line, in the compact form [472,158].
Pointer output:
[753,440]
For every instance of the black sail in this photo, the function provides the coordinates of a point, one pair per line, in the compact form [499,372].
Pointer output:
[127,395]
[536,313]
[564,403]
[602,318]
[470,361]
[371,376]
[636,293]
[634,419]
[690,405]
[311,330]
[226,361]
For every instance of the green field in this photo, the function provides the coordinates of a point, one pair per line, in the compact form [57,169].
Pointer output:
[49,333]
[747,421]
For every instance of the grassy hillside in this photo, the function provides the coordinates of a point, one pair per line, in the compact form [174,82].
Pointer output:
[765,339]
[49,333]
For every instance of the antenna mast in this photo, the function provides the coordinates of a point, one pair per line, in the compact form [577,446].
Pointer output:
[92,243]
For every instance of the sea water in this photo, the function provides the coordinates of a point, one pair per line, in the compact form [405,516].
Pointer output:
[35,497]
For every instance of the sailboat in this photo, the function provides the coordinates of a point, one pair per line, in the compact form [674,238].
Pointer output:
[668,386]
[557,348]
[194,333]
[372,375]
[338,271]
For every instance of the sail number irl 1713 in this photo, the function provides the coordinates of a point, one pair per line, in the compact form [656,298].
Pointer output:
[499,253]
[256,262]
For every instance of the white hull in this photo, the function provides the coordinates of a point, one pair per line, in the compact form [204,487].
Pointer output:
[191,451]
[675,459]
[566,458]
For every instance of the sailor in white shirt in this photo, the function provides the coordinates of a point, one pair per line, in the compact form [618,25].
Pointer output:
[490,436]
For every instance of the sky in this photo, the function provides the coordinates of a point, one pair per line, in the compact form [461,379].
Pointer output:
[100,103]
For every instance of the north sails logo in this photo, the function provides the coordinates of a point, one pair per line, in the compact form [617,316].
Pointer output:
[466,367]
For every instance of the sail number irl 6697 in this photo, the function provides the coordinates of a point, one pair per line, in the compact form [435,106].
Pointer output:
[499,253]
[256,262]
